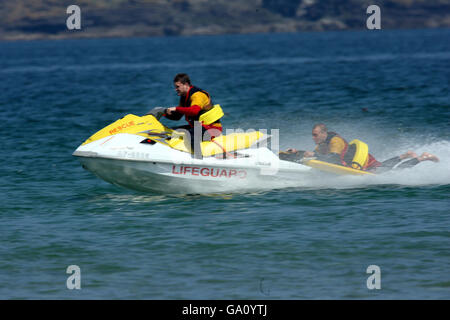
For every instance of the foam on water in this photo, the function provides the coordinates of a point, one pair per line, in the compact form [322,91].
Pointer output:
[425,173]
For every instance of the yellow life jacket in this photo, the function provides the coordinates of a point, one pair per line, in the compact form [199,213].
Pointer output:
[361,154]
[212,115]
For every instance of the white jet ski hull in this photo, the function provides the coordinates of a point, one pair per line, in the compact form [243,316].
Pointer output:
[123,160]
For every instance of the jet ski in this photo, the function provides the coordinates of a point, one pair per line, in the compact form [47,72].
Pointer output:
[140,153]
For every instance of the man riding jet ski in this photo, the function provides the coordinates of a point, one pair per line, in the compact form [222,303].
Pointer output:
[334,154]
[139,152]
[202,116]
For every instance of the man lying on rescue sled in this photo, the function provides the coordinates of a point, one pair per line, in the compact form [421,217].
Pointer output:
[332,148]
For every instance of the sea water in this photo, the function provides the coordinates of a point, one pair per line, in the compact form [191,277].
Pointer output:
[313,240]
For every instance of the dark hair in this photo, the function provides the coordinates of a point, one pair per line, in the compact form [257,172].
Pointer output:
[322,127]
[183,78]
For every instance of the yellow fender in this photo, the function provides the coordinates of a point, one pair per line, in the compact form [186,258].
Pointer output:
[130,124]
[220,144]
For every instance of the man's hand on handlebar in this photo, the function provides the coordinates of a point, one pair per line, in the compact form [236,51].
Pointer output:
[170,110]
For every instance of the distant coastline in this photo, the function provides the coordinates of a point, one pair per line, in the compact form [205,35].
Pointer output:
[22,20]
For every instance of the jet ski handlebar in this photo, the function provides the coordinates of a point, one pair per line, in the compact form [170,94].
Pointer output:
[157,112]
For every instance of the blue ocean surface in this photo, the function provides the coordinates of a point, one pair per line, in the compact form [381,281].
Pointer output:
[311,241]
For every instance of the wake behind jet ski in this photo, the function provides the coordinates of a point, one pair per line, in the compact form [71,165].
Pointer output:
[333,154]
